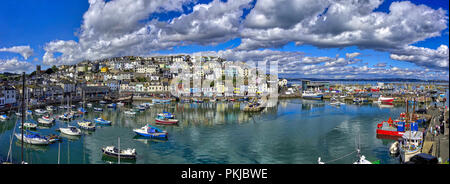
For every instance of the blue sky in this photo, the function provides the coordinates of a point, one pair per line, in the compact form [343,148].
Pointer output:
[39,24]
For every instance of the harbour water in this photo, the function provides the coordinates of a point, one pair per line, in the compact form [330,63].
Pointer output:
[294,131]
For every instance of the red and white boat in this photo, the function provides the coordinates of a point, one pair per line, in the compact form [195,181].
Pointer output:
[391,128]
[385,99]
[166,121]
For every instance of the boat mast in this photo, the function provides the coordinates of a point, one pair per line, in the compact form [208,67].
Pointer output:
[118,140]
[23,112]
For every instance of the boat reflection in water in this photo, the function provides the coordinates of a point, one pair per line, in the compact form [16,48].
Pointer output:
[112,160]
[148,140]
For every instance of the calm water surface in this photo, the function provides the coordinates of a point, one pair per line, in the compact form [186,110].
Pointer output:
[292,131]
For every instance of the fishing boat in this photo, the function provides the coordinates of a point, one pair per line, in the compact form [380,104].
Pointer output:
[87,125]
[46,120]
[32,138]
[130,112]
[391,128]
[112,151]
[29,112]
[312,95]
[150,131]
[18,114]
[4,117]
[70,130]
[89,105]
[382,99]
[166,118]
[40,111]
[98,109]
[120,104]
[410,145]
[102,121]
[102,102]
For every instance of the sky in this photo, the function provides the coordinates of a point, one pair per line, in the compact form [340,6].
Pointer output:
[307,38]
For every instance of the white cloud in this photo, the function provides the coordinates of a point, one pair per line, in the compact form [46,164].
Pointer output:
[25,51]
[424,56]
[342,24]
[15,66]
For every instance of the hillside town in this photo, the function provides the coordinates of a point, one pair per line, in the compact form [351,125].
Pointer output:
[139,76]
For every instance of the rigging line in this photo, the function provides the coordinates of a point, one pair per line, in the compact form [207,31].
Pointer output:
[10,142]
[341,157]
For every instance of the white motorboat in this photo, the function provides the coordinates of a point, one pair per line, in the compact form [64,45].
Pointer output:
[312,95]
[46,120]
[87,125]
[115,152]
[98,109]
[70,130]
[40,111]
[130,112]
[66,117]
[29,126]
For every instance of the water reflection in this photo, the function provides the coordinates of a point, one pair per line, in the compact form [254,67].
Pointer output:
[288,131]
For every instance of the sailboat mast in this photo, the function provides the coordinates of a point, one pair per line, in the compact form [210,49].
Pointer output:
[118,140]
[23,111]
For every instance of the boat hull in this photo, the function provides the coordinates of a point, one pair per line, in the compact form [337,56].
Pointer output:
[153,135]
[390,133]
[32,140]
[116,155]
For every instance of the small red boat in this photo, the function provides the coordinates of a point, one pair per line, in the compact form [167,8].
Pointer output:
[166,121]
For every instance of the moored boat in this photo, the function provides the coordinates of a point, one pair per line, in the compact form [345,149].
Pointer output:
[129,112]
[81,110]
[98,109]
[70,130]
[4,117]
[46,120]
[312,95]
[40,111]
[87,125]
[29,125]
[65,117]
[112,151]
[112,105]
[410,145]
[391,128]
[32,138]
[385,99]
[150,131]
[102,121]
[161,119]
